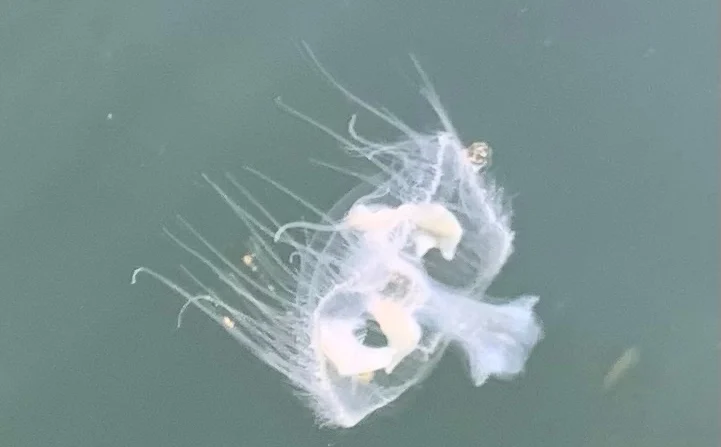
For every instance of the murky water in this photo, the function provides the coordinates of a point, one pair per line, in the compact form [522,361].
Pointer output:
[604,124]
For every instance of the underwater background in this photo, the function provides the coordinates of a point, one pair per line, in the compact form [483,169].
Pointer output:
[603,117]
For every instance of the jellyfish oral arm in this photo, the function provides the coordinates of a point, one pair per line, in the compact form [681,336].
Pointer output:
[496,338]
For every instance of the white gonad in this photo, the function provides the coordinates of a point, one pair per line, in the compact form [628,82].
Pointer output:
[434,225]
[373,294]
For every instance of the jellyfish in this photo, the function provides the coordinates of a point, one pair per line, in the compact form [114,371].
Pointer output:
[391,275]
[434,225]
[313,323]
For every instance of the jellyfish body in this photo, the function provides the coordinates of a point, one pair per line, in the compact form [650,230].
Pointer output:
[434,225]
[368,271]
[495,338]
[340,346]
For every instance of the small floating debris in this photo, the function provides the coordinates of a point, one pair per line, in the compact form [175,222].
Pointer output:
[249,261]
[623,364]
[228,322]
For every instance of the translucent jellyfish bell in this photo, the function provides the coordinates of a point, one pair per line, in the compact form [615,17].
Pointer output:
[434,168]
[445,199]
[367,308]
[312,323]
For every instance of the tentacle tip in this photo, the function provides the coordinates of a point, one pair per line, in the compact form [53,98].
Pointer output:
[279,233]
[134,277]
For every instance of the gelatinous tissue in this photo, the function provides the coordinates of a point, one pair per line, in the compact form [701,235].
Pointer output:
[383,283]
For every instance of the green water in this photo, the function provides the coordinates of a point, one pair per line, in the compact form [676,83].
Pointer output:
[604,121]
